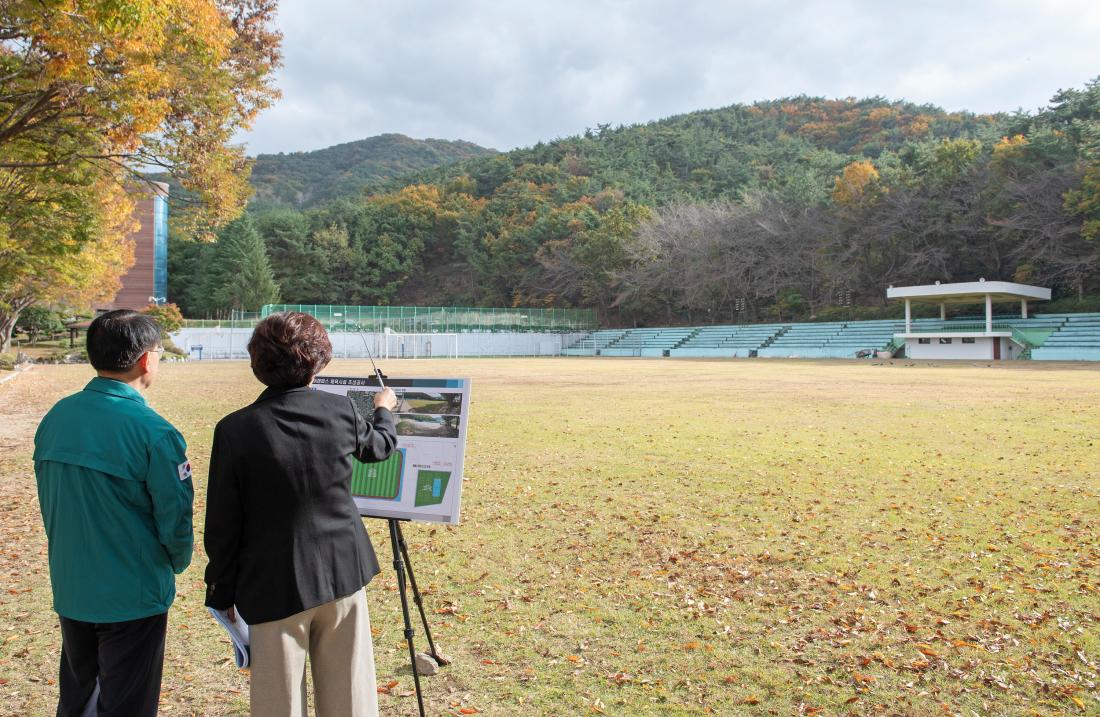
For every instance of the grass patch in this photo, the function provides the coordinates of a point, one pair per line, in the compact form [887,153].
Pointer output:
[687,537]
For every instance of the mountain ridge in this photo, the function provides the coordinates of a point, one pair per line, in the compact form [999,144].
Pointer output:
[849,127]
[304,179]
[778,207]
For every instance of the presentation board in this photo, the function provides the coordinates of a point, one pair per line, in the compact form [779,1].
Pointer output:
[422,480]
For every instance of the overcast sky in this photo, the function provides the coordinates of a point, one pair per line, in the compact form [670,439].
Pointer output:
[510,73]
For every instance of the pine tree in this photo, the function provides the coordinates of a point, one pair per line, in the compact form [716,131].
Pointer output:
[240,275]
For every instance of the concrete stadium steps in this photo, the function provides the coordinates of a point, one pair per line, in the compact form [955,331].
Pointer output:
[835,339]
[648,342]
[593,342]
[806,340]
[1076,339]
[751,336]
[727,341]
[1055,337]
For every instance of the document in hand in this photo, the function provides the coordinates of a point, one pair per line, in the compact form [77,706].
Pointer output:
[238,633]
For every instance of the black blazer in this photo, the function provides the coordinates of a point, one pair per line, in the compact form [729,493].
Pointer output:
[282,532]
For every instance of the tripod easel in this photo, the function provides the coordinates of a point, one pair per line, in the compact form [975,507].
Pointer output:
[402,566]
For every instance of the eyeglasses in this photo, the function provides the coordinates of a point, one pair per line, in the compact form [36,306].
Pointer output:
[157,350]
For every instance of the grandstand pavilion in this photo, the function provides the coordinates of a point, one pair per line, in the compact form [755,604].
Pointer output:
[982,340]
[423,332]
[1042,337]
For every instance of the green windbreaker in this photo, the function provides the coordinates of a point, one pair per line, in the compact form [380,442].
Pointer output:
[115,489]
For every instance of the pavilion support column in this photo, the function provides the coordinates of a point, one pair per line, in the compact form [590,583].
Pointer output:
[943,312]
[1023,308]
[908,316]
[988,314]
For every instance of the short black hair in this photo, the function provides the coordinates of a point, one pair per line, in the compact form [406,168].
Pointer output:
[288,349]
[117,339]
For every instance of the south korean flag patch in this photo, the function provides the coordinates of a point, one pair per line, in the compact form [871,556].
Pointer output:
[184,469]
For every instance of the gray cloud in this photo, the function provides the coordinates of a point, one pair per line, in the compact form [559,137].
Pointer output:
[506,74]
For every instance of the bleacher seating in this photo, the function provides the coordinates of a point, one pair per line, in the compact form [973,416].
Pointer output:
[803,340]
[727,341]
[593,342]
[857,336]
[647,342]
[1055,337]
[1077,338]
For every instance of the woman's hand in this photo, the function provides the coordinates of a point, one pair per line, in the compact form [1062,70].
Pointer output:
[385,398]
[231,614]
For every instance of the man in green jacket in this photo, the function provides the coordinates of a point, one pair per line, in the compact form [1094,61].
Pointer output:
[114,485]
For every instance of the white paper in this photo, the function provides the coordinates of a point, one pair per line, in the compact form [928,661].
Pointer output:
[238,633]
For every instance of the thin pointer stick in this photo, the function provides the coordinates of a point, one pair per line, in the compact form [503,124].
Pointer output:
[377,373]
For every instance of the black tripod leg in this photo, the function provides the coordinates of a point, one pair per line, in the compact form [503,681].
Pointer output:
[399,569]
[416,596]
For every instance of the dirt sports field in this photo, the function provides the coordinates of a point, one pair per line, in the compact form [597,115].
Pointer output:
[685,537]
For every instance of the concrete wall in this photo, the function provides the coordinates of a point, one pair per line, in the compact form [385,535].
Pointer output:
[709,353]
[806,352]
[232,343]
[650,352]
[980,350]
[1065,354]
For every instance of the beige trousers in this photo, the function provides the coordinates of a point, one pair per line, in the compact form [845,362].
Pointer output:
[336,636]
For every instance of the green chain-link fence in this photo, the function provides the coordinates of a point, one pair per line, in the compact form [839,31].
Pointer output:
[441,319]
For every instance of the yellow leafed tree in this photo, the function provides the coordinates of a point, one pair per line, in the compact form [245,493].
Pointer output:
[856,183]
[95,92]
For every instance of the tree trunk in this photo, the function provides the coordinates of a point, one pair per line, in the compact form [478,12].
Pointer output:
[7,325]
[8,319]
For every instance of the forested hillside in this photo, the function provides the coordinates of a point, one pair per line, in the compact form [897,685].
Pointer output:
[774,210]
[303,179]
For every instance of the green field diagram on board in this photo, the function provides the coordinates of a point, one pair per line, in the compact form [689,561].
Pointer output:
[431,486]
[378,480]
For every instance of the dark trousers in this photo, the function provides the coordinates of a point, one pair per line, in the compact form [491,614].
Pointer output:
[126,658]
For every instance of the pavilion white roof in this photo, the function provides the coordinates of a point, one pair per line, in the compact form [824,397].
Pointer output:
[969,292]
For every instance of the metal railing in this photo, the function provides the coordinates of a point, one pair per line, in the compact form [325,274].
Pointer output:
[419,319]
[1022,338]
[955,327]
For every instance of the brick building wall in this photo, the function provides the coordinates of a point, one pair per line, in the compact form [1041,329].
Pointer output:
[148,277]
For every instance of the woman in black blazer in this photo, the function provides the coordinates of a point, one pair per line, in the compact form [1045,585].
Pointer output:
[286,544]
